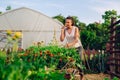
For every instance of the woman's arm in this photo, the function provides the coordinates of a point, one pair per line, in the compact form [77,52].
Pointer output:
[76,37]
[62,36]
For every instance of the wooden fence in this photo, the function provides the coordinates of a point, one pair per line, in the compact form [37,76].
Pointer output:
[114,48]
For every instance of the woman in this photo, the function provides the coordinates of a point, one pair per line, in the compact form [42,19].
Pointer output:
[71,33]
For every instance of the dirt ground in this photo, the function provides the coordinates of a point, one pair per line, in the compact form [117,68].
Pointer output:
[100,76]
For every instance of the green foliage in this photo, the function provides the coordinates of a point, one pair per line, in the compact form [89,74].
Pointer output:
[8,8]
[79,24]
[42,74]
[58,53]
[76,20]
[98,40]
[59,18]
[108,15]
[2,54]
[107,21]
[0,12]
[106,78]
[44,63]
[115,78]
[87,37]
[97,63]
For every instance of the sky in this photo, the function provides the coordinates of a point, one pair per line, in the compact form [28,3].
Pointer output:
[87,11]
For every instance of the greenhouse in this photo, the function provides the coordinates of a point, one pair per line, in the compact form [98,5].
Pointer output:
[33,25]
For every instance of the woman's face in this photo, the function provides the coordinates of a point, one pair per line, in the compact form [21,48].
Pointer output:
[68,22]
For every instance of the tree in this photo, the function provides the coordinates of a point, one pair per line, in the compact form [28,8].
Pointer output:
[8,8]
[0,12]
[79,24]
[76,20]
[87,38]
[82,25]
[108,15]
[107,21]
[91,36]
[60,18]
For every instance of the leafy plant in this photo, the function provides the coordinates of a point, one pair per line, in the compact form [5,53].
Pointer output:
[97,63]
[115,78]
[38,62]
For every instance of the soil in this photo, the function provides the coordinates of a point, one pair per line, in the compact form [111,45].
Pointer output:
[100,76]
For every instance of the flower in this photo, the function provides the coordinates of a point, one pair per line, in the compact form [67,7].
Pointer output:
[25,54]
[29,72]
[47,72]
[51,55]
[47,52]
[18,34]
[67,76]
[40,53]
[60,59]
[20,49]
[71,59]
[14,38]
[9,32]
[36,54]
[39,43]
[34,43]
[45,57]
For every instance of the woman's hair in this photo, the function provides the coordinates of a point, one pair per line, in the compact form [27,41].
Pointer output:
[71,18]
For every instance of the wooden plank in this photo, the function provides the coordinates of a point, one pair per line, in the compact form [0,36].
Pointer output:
[117,72]
[115,36]
[116,47]
[113,64]
[117,54]
[114,59]
[114,41]
[117,22]
[117,59]
[112,73]
[114,29]
[118,51]
[118,27]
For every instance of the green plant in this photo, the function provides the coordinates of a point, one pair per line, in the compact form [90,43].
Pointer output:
[49,74]
[38,62]
[115,78]
[97,63]
[58,54]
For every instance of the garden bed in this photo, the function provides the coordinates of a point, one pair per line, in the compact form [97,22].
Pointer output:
[39,62]
[48,62]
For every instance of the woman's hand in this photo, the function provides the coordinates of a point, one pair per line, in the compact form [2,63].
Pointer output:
[63,27]
[62,36]
[67,45]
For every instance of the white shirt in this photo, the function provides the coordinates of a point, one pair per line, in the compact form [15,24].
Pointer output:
[71,37]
